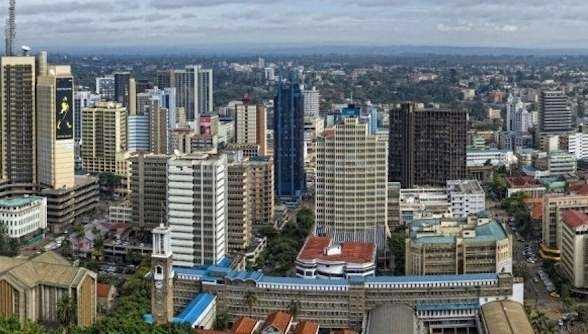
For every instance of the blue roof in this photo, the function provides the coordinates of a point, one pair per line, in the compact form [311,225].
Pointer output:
[447,306]
[224,262]
[214,275]
[194,309]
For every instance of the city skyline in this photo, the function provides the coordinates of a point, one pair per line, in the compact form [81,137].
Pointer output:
[222,23]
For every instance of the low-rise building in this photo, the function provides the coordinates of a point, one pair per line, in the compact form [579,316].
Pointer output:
[524,184]
[450,246]
[505,317]
[278,322]
[574,245]
[466,197]
[23,217]
[494,157]
[32,288]
[320,258]
[122,214]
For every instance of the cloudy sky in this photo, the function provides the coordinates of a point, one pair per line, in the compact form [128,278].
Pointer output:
[192,23]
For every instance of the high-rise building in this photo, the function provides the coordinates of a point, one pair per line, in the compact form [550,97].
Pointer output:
[158,128]
[138,132]
[194,89]
[290,180]
[250,125]
[82,99]
[104,137]
[575,247]
[165,79]
[18,120]
[311,102]
[428,146]
[555,117]
[351,194]
[261,189]
[105,87]
[132,97]
[121,88]
[55,128]
[239,225]
[148,186]
[197,208]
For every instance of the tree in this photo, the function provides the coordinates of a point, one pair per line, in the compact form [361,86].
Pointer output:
[66,312]
[397,243]
[250,301]
[8,246]
[293,308]
[222,321]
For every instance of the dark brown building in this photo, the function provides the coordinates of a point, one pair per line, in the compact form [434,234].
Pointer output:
[426,146]
[148,179]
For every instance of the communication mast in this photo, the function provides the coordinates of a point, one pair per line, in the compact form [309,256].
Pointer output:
[10,32]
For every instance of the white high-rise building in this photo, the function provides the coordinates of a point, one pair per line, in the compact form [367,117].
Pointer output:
[351,184]
[197,208]
[578,145]
[82,99]
[466,197]
[311,102]
[518,118]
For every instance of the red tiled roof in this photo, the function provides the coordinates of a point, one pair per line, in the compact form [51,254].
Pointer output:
[536,207]
[354,252]
[343,331]
[244,325]
[102,290]
[278,320]
[574,218]
[579,190]
[522,181]
[307,327]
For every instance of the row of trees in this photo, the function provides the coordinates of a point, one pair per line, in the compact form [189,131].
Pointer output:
[8,246]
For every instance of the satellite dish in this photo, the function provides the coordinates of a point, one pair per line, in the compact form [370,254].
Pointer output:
[25,50]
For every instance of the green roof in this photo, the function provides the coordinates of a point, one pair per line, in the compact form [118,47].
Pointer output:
[489,232]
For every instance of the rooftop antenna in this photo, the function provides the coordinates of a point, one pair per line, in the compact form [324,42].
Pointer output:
[10,32]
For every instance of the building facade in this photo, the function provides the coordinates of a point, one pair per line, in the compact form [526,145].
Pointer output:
[23,217]
[452,247]
[104,137]
[553,208]
[466,197]
[430,145]
[197,208]
[288,144]
[148,189]
[554,115]
[351,193]
[574,246]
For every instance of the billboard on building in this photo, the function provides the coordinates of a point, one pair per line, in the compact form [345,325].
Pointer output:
[64,108]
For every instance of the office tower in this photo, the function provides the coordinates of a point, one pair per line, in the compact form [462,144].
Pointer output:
[132,97]
[574,252]
[311,102]
[105,87]
[239,225]
[138,132]
[18,120]
[194,91]
[104,137]
[261,190]
[554,115]
[148,189]
[373,120]
[143,85]
[197,208]
[250,125]
[447,246]
[82,100]
[158,128]
[351,195]
[428,146]
[260,62]
[290,179]
[165,79]
[55,128]
[10,30]
[518,119]
[553,208]
[121,88]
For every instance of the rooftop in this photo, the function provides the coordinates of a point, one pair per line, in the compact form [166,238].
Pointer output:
[195,309]
[574,219]
[320,248]
[244,325]
[19,201]
[466,186]
[506,317]
[306,327]
[433,231]
[278,320]
[522,182]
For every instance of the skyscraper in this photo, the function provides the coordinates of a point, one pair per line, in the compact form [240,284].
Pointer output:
[104,137]
[82,99]
[158,127]
[18,120]
[311,102]
[148,186]
[290,178]
[427,146]
[121,88]
[197,208]
[250,125]
[554,115]
[194,91]
[55,128]
[352,184]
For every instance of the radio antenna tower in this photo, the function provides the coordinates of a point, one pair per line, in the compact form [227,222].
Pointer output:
[10,32]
